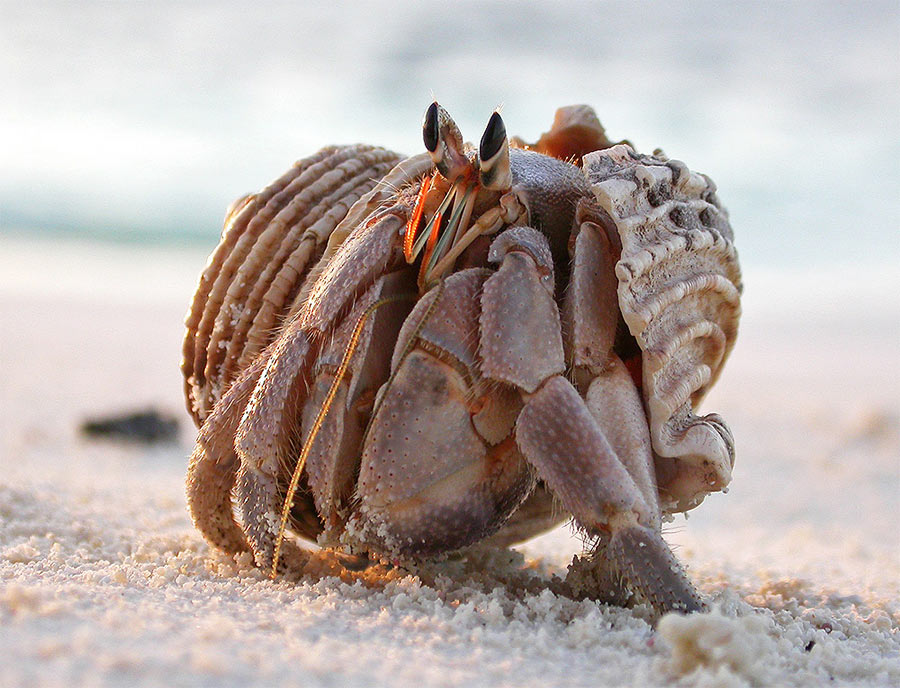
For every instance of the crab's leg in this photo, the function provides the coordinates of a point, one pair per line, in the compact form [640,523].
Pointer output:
[591,317]
[267,433]
[214,463]
[213,467]
[521,344]
[333,454]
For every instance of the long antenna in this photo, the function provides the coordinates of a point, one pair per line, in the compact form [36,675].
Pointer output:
[320,418]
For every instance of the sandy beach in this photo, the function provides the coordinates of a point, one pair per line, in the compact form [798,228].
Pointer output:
[104,581]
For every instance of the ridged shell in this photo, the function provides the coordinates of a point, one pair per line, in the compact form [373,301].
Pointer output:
[270,244]
[679,293]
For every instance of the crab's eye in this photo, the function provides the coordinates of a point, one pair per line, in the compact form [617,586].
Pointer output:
[493,138]
[430,128]
[444,143]
[493,154]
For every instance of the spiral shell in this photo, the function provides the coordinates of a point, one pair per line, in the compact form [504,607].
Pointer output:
[679,293]
[271,242]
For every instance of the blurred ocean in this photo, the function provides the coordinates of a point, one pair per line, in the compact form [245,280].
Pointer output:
[141,122]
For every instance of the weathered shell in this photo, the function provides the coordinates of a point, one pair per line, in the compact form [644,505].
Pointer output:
[679,293]
[270,244]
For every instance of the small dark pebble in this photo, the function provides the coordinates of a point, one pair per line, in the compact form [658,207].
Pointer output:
[148,427]
[809,645]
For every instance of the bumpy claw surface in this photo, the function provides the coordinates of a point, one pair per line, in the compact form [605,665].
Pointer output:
[438,471]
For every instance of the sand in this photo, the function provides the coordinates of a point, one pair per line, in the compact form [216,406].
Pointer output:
[104,581]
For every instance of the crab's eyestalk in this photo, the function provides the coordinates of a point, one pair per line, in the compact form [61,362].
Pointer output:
[441,234]
[444,143]
[493,153]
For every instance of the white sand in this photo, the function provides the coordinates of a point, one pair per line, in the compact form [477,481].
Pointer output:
[103,580]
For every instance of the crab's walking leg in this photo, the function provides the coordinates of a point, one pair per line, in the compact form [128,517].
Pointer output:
[266,440]
[214,463]
[558,434]
[521,343]
[213,467]
[591,315]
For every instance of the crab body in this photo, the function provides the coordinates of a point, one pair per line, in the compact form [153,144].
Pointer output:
[482,344]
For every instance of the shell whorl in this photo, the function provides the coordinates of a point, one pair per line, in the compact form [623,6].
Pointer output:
[679,294]
[269,247]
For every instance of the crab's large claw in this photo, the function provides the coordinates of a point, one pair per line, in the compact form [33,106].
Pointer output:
[440,469]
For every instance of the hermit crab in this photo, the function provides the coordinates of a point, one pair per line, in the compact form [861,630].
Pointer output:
[400,358]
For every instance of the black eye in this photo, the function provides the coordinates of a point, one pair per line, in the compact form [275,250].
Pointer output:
[430,128]
[494,137]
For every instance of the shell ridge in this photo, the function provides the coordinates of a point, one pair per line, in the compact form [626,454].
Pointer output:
[307,201]
[679,290]
[272,198]
[255,224]
[313,217]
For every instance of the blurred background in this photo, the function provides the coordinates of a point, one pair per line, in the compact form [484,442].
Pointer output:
[140,122]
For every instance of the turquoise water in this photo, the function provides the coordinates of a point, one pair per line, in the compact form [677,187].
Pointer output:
[141,122]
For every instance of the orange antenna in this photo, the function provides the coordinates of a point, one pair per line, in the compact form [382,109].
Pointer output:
[320,418]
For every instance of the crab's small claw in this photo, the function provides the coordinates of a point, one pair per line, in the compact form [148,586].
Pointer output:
[444,143]
[493,153]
